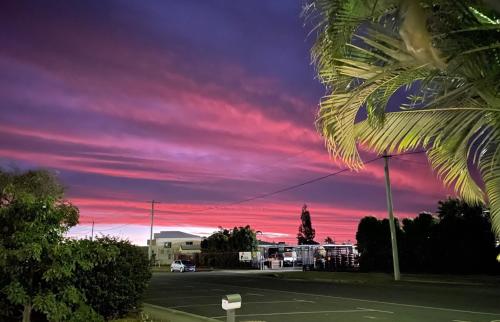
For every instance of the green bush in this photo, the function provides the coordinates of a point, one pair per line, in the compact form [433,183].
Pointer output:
[115,288]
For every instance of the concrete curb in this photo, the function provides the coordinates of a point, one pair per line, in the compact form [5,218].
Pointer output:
[163,314]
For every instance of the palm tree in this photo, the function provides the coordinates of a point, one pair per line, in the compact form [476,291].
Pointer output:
[407,74]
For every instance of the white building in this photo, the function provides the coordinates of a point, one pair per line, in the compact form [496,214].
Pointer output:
[171,245]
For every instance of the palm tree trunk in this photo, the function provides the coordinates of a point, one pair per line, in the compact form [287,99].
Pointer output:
[27,312]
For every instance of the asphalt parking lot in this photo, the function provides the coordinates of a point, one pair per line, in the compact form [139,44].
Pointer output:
[269,299]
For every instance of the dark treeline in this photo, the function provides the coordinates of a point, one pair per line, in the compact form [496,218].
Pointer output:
[221,249]
[458,240]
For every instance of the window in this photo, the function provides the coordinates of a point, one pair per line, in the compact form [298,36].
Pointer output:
[168,245]
[189,243]
[169,256]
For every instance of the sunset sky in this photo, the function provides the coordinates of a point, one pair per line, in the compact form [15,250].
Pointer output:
[196,104]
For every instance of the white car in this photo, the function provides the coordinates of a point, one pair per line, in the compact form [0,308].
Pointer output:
[182,266]
[289,258]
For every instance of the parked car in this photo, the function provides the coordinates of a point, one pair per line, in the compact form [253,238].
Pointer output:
[289,258]
[182,266]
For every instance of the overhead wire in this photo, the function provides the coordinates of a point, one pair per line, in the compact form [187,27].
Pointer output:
[292,187]
[300,184]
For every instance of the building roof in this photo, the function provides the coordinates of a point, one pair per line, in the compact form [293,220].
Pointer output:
[174,234]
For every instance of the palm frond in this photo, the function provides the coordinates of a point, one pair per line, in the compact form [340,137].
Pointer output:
[453,112]
[490,172]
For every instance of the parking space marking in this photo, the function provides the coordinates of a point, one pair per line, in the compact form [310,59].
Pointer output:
[371,301]
[293,313]
[182,297]
[257,302]
[373,310]
[201,296]
[304,301]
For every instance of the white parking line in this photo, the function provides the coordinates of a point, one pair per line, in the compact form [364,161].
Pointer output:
[255,294]
[218,304]
[368,301]
[373,310]
[182,297]
[304,301]
[292,313]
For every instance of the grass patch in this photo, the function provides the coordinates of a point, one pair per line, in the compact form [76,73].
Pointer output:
[163,269]
[133,317]
[383,278]
[337,277]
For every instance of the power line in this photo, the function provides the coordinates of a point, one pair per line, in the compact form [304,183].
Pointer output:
[411,161]
[112,228]
[293,186]
[265,195]
[299,184]
[269,167]
[84,232]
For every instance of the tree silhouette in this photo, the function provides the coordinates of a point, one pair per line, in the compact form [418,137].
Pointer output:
[458,240]
[306,232]
[329,240]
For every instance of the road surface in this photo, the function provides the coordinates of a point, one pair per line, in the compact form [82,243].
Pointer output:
[269,299]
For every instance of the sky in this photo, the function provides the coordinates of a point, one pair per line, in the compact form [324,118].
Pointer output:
[195,104]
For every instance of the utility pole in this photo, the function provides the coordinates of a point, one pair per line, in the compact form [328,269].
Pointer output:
[392,226]
[92,235]
[150,250]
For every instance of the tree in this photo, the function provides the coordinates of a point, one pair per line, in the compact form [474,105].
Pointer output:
[458,240]
[403,75]
[114,288]
[243,239]
[35,260]
[329,240]
[374,244]
[417,245]
[462,241]
[222,247]
[306,232]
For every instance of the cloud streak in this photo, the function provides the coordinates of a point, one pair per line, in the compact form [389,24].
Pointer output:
[130,102]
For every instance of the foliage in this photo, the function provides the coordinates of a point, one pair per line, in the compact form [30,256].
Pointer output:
[114,288]
[44,276]
[329,240]
[463,239]
[222,247]
[39,184]
[458,240]
[416,243]
[374,244]
[306,232]
[36,262]
[403,75]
